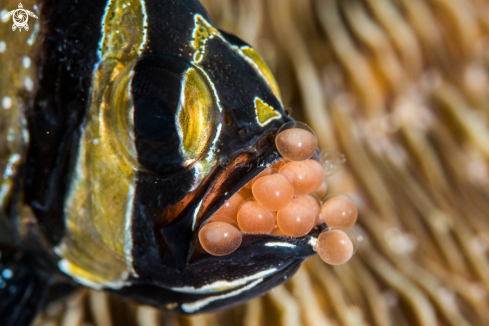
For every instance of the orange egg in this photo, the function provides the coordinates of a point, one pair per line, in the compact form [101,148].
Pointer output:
[297,219]
[273,192]
[339,211]
[254,218]
[230,207]
[320,174]
[219,238]
[302,176]
[245,193]
[277,231]
[312,203]
[334,247]
[296,144]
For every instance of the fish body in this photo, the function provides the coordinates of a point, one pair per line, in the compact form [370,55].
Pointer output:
[132,124]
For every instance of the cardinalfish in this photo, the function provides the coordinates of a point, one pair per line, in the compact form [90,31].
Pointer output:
[125,131]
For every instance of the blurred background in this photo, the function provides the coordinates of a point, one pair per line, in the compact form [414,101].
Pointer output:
[401,88]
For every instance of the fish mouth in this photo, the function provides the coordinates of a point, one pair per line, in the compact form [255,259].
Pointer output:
[235,175]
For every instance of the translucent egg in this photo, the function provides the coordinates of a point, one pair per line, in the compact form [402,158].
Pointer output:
[296,141]
[273,192]
[302,175]
[297,219]
[254,218]
[230,207]
[339,211]
[219,238]
[335,247]
[331,160]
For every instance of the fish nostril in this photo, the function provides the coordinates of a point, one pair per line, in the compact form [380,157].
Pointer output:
[242,132]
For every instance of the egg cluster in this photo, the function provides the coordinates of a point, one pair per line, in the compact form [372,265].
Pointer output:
[284,200]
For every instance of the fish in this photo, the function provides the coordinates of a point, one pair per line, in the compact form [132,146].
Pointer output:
[125,126]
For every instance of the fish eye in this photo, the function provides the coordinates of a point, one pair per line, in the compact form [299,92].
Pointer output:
[153,120]
[172,112]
